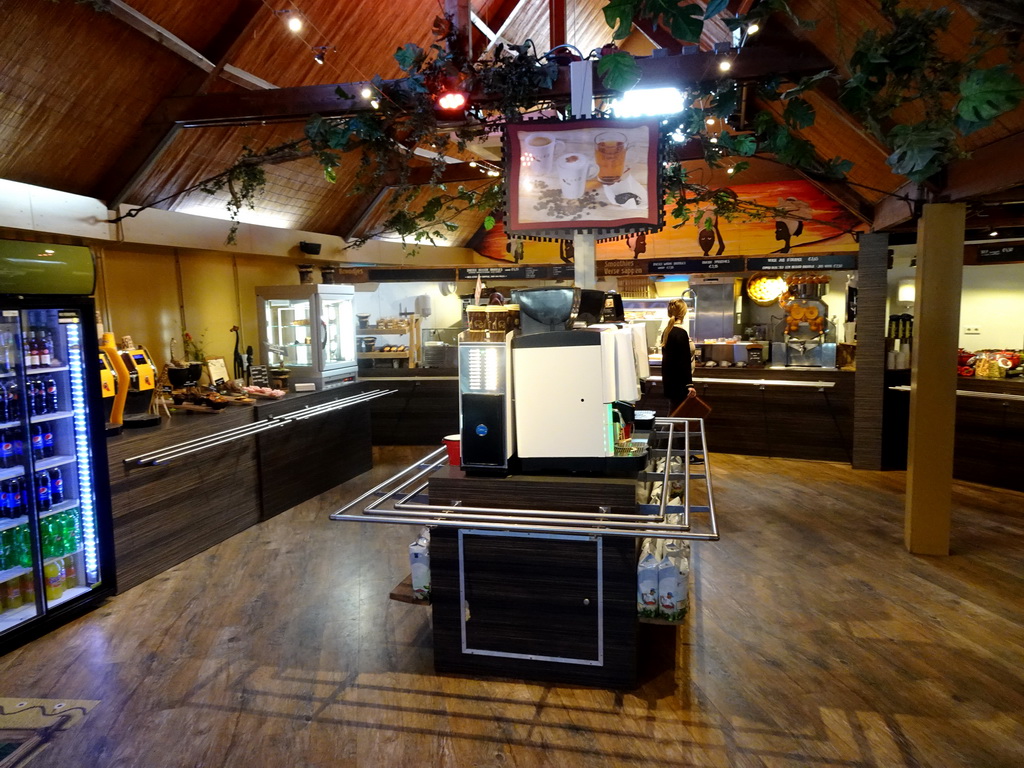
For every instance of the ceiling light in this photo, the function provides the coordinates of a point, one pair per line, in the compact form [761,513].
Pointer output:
[375,104]
[730,170]
[993,232]
[649,101]
[319,53]
[713,139]
[295,24]
[724,65]
[366,93]
[452,101]
[753,29]
[472,163]
[709,121]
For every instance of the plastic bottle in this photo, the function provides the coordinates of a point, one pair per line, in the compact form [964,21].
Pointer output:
[23,542]
[43,503]
[71,531]
[3,403]
[70,572]
[56,486]
[28,589]
[37,441]
[52,399]
[7,549]
[10,593]
[53,577]
[6,449]
[45,349]
[31,353]
[48,449]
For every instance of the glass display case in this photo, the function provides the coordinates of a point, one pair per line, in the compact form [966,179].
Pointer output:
[310,330]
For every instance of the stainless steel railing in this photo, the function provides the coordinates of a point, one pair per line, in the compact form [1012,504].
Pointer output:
[394,500]
[164,455]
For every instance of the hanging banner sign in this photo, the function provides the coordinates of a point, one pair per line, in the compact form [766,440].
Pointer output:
[801,261]
[693,266]
[562,272]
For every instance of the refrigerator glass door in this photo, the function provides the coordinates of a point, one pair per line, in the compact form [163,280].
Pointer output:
[338,344]
[19,571]
[289,333]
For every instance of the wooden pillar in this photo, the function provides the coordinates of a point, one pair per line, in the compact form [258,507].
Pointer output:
[940,238]
[869,379]
[556,21]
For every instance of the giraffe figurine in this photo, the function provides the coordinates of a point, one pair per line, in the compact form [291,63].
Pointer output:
[239,362]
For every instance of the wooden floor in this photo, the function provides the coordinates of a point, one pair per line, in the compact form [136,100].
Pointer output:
[814,639]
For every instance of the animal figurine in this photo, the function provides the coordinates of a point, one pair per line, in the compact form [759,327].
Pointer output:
[239,362]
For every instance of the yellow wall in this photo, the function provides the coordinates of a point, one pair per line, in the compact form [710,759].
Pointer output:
[153,295]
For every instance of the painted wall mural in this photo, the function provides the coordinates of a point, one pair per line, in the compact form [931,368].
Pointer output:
[813,221]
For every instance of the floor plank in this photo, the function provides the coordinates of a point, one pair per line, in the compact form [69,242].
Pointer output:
[813,639]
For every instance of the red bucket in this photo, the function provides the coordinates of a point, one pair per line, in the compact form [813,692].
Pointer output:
[452,443]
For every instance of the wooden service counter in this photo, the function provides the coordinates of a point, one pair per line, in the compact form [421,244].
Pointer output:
[988,444]
[169,511]
[552,607]
[796,413]
[423,409]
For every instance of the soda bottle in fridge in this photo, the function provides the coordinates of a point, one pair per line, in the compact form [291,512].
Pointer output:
[56,486]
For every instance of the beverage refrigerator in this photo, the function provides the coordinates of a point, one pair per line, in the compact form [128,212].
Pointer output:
[56,553]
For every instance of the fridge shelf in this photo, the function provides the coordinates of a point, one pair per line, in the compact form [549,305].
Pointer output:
[7,474]
[56,509]
[69,594]
[15,616]
[51,416]
[13,573]
[47,369]
[12,523]
[53,461]
[48,560]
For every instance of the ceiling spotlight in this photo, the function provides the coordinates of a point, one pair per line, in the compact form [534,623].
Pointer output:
[472,163]
[709,121]
[319,53]
[724,65]
[366,93]
[713,139]
[993,232]
[294,22]
[452,101]
[375,104]
[753,29]
[730,170]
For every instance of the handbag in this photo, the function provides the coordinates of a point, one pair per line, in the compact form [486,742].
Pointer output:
[691,408]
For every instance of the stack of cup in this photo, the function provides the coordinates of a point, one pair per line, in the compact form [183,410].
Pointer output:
[476,322]
[497,316]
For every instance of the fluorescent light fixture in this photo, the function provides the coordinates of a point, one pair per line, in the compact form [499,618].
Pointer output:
[649,101]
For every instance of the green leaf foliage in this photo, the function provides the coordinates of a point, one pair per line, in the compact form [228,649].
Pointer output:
[618,15]
[918,150]
[715,7]
[686,23]
[987,93]
[798,114]
[489,223]
[618,71]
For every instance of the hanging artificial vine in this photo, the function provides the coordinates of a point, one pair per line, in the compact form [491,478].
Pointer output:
[889,73]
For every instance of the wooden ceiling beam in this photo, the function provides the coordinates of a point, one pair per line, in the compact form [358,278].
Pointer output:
[990,170]
[158,130]
[297,104]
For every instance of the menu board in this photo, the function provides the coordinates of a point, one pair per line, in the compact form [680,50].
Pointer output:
[692,266]
[622,268]
[520,272]
[802,261]
[259,376]
[1000,254]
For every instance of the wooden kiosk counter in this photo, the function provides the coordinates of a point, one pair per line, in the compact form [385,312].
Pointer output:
[198,479]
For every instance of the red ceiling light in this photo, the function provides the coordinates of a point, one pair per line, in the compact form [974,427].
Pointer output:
[452,101]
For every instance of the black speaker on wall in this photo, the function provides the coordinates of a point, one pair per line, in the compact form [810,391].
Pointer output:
[313,249]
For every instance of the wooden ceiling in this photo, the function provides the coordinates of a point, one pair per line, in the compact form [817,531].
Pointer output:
[88,99]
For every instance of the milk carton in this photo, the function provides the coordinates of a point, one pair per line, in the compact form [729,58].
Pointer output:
[419,562]
[647,584]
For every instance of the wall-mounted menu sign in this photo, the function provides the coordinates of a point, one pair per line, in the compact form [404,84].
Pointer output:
[1000,254]
[521,272]
[259,376]
[802,261]
[693,266]
[621,268]
[417,274]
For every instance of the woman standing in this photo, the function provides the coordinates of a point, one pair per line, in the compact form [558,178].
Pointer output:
[677,352]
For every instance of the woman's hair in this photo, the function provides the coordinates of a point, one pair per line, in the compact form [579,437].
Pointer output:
[676,313]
